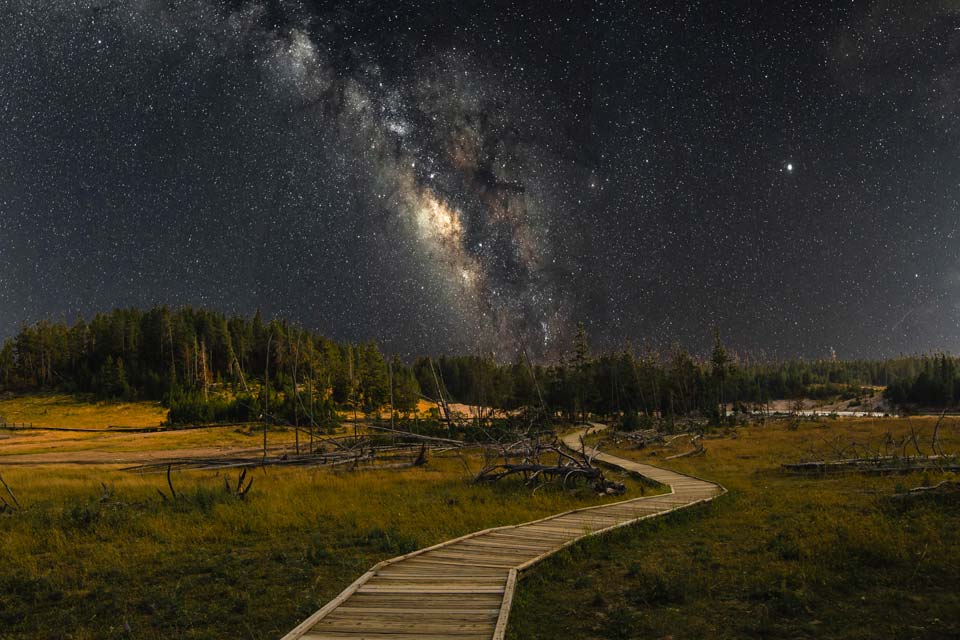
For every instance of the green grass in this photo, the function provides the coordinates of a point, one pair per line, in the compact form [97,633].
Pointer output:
[778,557]
[209,565]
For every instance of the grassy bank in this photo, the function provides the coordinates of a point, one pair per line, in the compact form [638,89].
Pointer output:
[779,557]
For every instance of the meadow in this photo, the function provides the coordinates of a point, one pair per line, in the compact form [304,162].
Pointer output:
[69,411]
[97,552]
[780,556]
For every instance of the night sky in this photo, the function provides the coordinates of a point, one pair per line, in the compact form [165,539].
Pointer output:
[448,176]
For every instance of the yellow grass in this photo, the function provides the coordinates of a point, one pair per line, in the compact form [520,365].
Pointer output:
[61,410]
[208,441]
[208,565]
[95,552]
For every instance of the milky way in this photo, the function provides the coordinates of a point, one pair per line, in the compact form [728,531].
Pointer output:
[483,175]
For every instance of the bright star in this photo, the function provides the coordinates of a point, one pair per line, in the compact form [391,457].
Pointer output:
[789,166]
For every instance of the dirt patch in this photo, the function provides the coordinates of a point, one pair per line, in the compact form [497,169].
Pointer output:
[138,457]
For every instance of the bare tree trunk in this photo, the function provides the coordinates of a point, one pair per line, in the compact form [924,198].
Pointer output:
[173,365]
[203,369]
[392,409]
[533,376]
[266,394]
[445,409]
[310,391]
[196,362]
[296,398]
[479,395]
[243,379]
[355,388]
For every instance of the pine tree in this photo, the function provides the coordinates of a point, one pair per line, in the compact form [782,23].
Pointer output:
[719,361]
[580,363]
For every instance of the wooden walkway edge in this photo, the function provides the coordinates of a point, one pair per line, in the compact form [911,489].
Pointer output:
[462,589]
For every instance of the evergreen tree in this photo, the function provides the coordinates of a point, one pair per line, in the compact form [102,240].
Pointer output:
[718,362]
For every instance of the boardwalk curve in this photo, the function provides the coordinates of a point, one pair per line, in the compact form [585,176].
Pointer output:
[462,589]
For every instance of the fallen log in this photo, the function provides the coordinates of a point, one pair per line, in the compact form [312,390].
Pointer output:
[945,489]
[639,439]
[877,465]
[698,449]
[417,436]
[944,486]
[539,474]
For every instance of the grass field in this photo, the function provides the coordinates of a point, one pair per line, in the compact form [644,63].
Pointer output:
[60,446]
[779,557]
[81,565]
[62,410]
[95,552]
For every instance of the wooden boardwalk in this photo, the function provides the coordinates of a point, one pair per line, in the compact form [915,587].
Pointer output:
[462,589]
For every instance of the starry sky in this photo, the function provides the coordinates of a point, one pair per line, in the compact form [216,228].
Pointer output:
[454,176]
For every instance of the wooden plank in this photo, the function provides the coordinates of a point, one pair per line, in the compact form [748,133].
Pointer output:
[463,589]
[529,535]
[500,631]
[538,538]
[422,564]
[444,562]
[500,561]
[410,579]
[484,552]
[369,635]
[347,610]
[596,517]
[566,531]
[299,630]
[432,602]
[492,546]
[429,589]
[438,586]
[410,625]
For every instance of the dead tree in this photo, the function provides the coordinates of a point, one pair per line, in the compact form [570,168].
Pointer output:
[529,458]
[6,505]
[173,492]
[266,394]
[903,456]
[639,439]
[697,450]
[240,491]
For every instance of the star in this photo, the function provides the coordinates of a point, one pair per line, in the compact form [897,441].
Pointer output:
[534,175]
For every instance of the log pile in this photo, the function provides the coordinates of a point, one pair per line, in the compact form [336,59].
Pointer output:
[639,439]
[539,461]
[362,453]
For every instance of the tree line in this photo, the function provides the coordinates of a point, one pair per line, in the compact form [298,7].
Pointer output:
[188,358]
[934,384]
[663,383]
[207,366]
